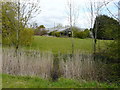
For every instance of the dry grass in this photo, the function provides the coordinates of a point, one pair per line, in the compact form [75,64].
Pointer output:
[36,63]
[31,63]
[83,67]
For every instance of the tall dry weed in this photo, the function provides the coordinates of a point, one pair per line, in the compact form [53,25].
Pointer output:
[36,63]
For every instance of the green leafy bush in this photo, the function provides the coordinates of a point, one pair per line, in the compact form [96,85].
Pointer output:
[57,34]
[26,36]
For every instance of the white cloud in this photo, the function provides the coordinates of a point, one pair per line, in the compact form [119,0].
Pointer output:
[55,11]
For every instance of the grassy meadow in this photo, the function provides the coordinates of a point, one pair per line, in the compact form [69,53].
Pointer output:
[64,45]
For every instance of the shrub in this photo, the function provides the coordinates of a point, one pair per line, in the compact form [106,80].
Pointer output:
[53,33]
[81,34]
[26,36]
[57,34]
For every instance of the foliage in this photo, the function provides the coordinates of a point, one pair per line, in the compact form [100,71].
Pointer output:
[82,34]
[107,27]
[57,34]
[87,33]
[13,31]
[112,54]
[10,81]
[52,33]
[26,36]
[113,72]
[9,23]
[41,26]
[77,33]
[40,30]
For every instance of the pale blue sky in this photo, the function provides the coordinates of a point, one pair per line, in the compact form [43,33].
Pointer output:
[55,11]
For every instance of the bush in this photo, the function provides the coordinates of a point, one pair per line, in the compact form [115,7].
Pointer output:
[54,33]
[87,33]
[81,34]
[112,60]
[26,36]
[51,33]
[57,34]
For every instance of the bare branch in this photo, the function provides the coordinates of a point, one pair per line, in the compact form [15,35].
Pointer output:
[110,11]
[29,11]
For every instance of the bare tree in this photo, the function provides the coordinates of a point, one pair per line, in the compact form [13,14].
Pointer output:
[0,40]
[73,13]
[95,9]
[27,10]
[118,11]
[109,11]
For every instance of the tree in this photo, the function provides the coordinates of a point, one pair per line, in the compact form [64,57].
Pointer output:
[87,33]
[0,18]
[9,23]
[28,10]
[15,18]
[114,47]
[95,8]
[111,50]
[110,12]
[72,15]
[107,27]
[41,26]
[41,30]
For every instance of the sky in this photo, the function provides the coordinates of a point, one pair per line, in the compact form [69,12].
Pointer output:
[54,12]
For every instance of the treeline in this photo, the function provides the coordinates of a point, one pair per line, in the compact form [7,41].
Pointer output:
[77,33]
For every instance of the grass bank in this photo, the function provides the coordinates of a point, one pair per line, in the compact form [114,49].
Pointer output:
[9,81]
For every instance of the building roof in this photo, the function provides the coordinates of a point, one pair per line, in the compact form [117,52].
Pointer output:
[62,28]
[58,28]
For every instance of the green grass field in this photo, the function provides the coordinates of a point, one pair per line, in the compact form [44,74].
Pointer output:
[64,45]
[9,81]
